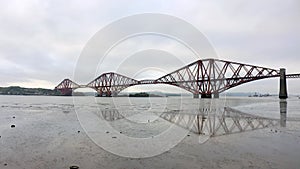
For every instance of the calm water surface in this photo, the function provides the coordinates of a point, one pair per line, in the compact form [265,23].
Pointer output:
[143,117]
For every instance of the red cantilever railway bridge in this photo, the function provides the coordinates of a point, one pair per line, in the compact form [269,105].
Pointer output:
[203,77]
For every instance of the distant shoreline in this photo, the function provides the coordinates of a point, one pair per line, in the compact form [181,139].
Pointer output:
[17,90]
[22,91]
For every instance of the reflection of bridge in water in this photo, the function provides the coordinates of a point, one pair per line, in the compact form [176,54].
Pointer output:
[113,114]
[207,78]
[209,122]
[218,122]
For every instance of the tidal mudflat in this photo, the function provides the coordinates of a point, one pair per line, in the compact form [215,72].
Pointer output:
[52,132]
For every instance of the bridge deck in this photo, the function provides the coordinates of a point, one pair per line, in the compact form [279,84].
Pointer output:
[205,77]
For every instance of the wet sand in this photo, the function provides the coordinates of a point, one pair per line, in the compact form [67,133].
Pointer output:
[55,139]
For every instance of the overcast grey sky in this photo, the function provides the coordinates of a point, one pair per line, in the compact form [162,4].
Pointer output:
[40,41]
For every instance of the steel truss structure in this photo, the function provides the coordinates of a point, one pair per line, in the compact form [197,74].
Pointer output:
[293,76]
[110,84]
[212,76]
[66,87]
[202,77]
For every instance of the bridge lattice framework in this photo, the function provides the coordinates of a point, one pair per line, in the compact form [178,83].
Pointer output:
[203,77]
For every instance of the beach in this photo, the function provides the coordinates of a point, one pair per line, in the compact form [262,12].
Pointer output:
[48,133]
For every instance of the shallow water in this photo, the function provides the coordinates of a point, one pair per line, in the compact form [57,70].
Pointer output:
[141,117]
[51,127]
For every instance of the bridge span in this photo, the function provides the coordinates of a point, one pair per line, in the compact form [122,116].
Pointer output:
[207,77]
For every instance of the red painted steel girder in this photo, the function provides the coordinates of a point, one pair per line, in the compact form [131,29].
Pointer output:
[148,81]
[293,76]
[206,76]
[67,86]
[111,83]
[215,76]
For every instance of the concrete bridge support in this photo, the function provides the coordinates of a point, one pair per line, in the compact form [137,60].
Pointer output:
[282,88]
[66,92]
[207,96]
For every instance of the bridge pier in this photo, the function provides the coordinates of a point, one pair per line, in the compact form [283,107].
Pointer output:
[66,92]
[207,96]
[282,88]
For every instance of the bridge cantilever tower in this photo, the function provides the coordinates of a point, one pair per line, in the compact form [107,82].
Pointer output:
[212,76]
[66,87]
[110,84]
[207,78]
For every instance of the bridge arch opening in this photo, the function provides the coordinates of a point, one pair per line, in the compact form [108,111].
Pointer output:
[85,91]
[267,86]
[206,77]
[156,89]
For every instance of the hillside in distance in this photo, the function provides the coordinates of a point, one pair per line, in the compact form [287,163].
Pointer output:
[17,90]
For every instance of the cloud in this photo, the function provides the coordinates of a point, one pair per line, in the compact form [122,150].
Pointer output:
[41,40]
